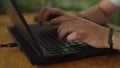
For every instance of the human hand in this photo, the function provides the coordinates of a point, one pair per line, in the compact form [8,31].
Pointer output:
[49,12]
[80,29]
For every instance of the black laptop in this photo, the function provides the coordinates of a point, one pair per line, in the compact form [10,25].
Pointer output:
[40,43]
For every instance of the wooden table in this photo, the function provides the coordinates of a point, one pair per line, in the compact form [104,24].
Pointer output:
[14,58]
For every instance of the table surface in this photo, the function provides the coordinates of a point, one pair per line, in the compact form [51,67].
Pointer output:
[14,58]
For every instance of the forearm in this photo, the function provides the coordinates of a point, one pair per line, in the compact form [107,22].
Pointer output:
[94,14]
[116,40]
[99,16]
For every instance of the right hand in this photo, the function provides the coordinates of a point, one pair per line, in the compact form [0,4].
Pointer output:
[47,11]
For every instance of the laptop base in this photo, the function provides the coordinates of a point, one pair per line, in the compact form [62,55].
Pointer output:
[36,59]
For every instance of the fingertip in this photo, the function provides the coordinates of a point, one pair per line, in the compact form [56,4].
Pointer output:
[53,22]
[72,36]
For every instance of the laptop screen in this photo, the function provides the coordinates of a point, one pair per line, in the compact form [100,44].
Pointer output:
[19,22]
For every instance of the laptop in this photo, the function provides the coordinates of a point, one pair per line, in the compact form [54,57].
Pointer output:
[40,43]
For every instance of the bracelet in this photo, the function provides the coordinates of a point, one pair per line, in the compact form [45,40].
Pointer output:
[111,31]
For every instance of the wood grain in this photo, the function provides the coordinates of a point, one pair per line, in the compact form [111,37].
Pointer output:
[14,58]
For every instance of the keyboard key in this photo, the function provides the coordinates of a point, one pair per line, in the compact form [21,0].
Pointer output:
[72,49]
[80,43]
[64,48]
[77,47]
[53,52]
[72,43]
[67,45]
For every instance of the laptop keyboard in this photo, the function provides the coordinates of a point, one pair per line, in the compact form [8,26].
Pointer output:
[48,35]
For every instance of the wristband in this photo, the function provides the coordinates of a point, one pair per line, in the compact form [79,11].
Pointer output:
[110,38]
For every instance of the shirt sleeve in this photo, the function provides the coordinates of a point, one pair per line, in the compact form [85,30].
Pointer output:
[116,2]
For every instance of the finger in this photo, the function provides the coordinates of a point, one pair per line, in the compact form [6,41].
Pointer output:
[73,36]
[57,11]
[63,31]
[45,13]
[62,34]
[50,13]
[82,36]
[60,19]
[42,11]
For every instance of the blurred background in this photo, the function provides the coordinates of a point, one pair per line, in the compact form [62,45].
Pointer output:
[69,5]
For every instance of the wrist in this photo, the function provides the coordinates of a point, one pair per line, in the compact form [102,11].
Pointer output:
[105,38]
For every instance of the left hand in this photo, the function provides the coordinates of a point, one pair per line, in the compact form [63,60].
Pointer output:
[83,30]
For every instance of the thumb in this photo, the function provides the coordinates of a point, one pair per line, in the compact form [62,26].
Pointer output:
[82,36]
[73,36]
